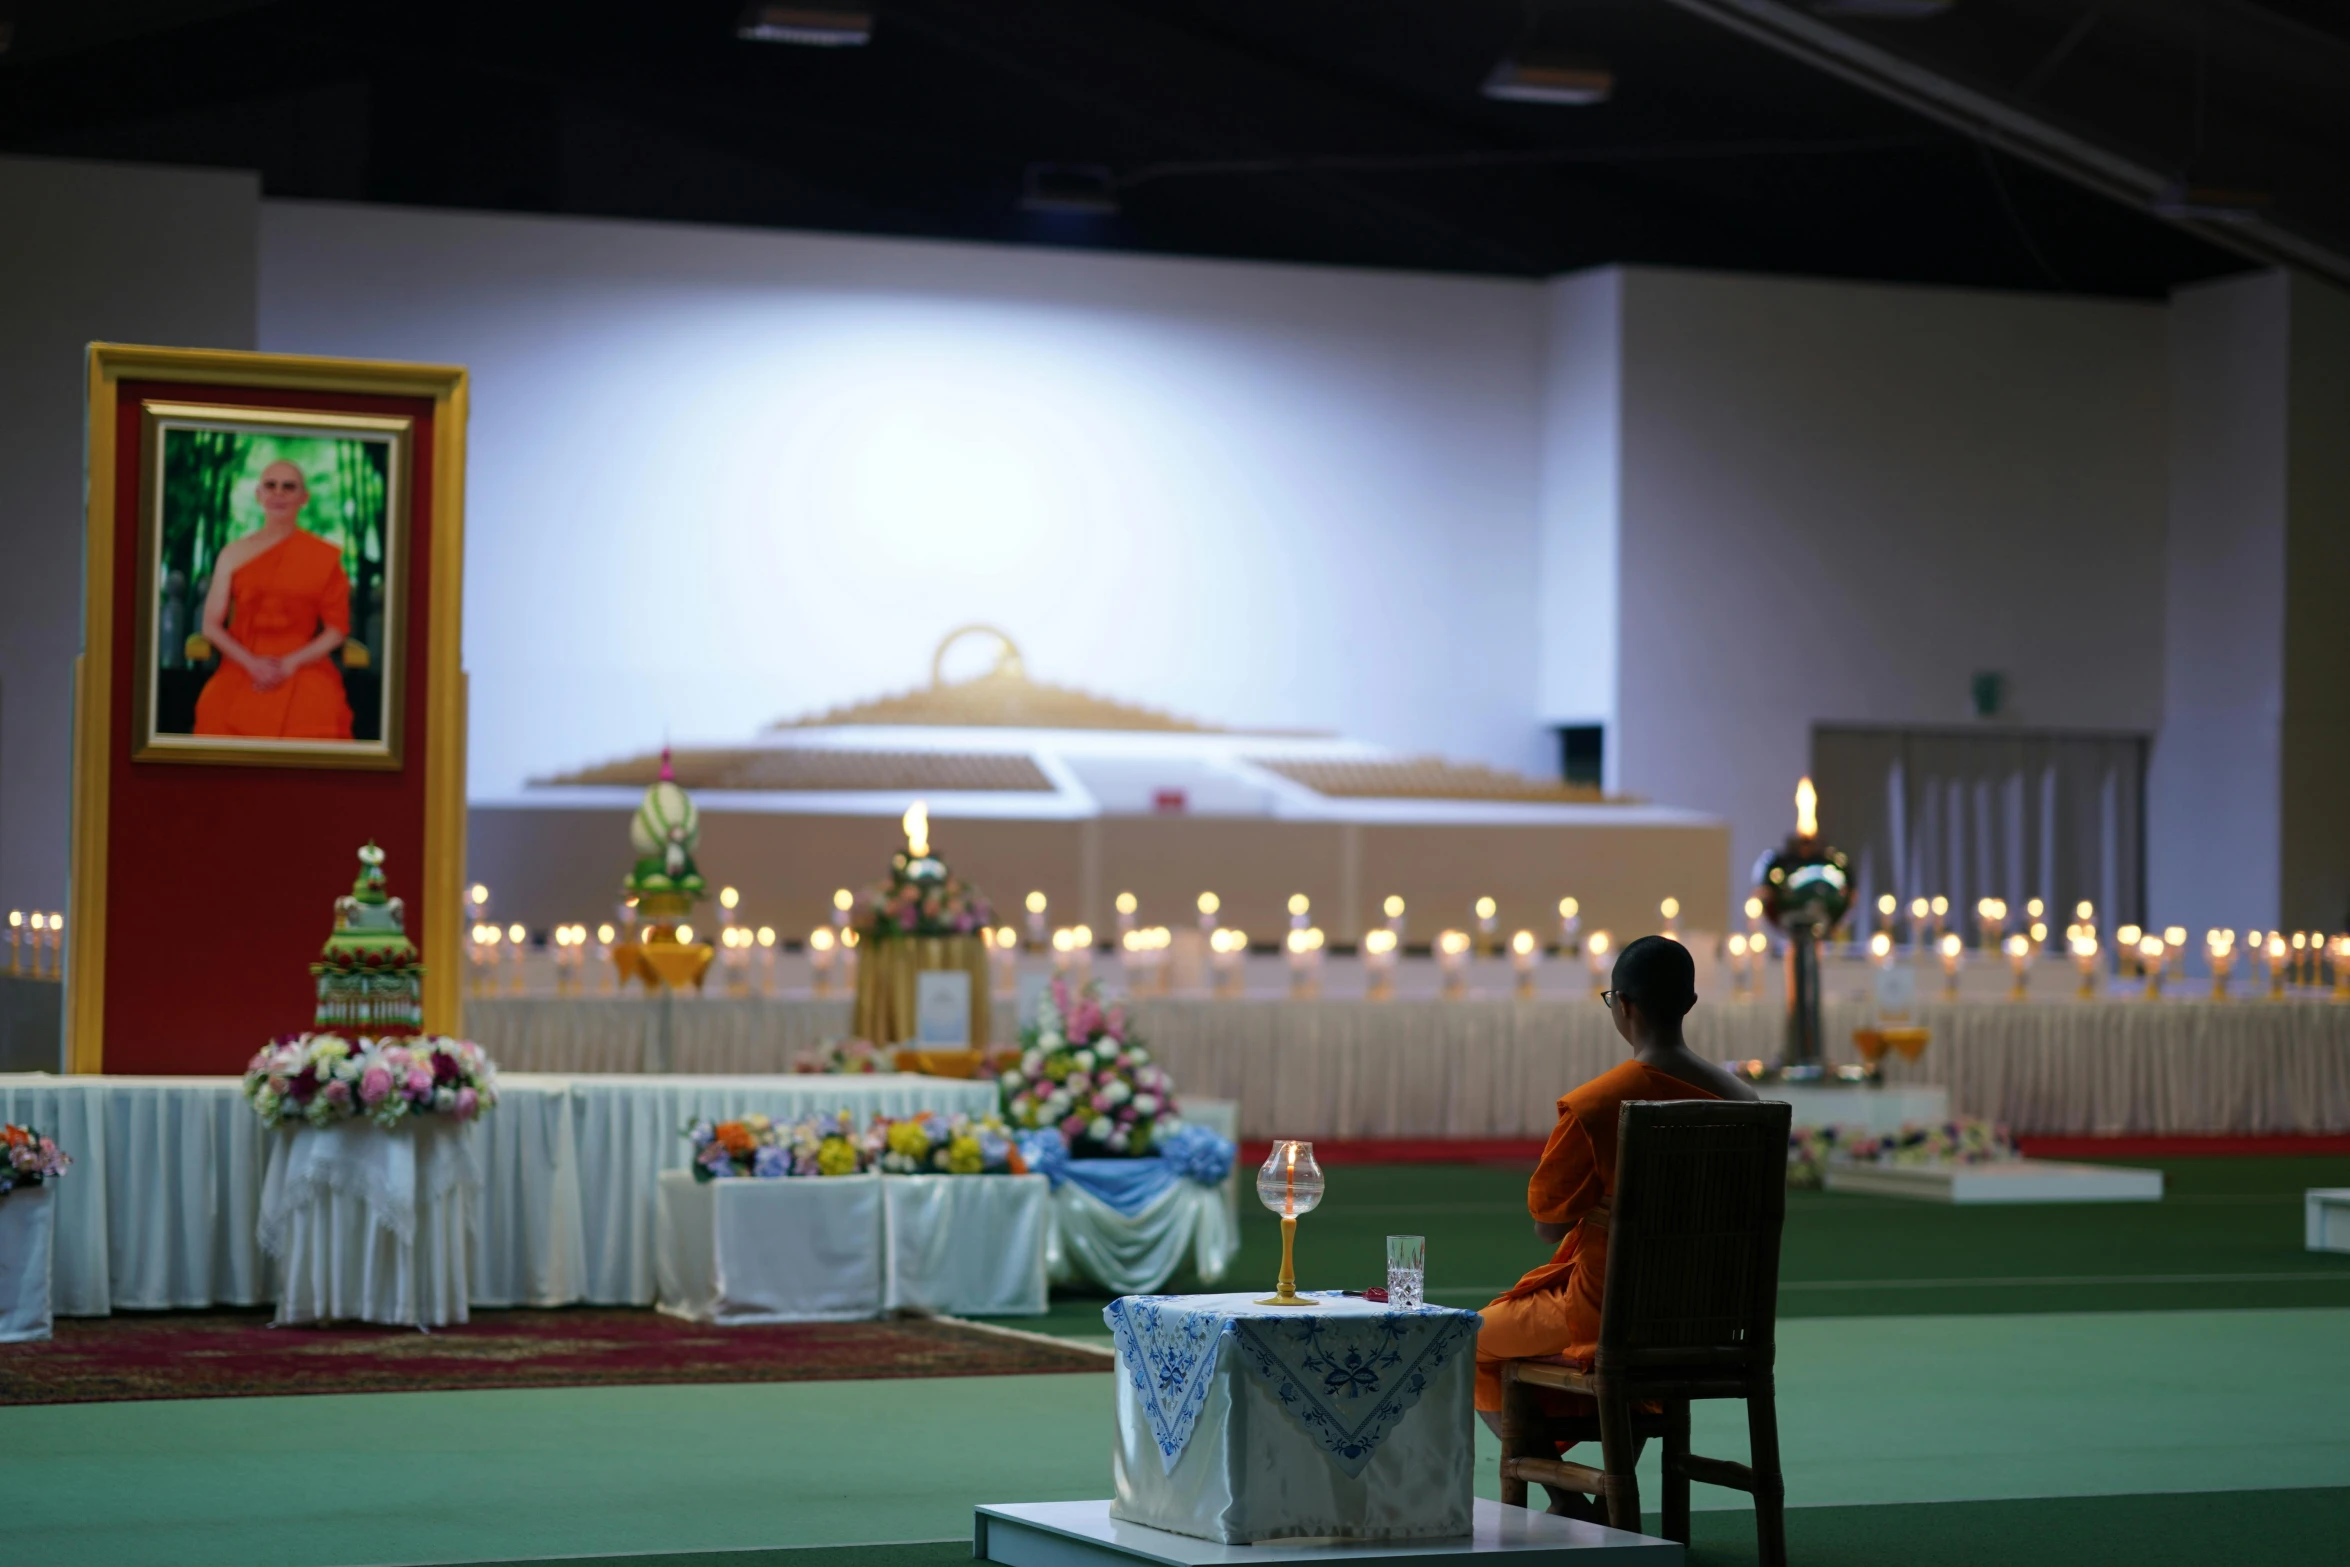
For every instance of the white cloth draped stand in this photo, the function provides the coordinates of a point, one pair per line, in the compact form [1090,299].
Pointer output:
[1492,1067]
[837,1248]
[28,1227]
[163,1206]
[370,1224]
[1239,1422]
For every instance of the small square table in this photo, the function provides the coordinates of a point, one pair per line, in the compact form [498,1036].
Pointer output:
[1240,1422]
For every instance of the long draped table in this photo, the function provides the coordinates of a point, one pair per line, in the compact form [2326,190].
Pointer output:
[162,1206]
[1493,1068]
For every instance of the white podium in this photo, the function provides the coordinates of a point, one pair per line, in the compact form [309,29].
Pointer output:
[28,1232]
[371,1225]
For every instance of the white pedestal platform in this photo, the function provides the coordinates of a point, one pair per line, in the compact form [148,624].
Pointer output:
[2009,1181]
[2327,1214]
[1874,1110]
[1083,1534]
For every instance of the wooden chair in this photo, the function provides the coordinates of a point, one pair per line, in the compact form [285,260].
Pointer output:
[1689,1311]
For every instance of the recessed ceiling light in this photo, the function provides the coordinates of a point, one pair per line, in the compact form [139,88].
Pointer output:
[1548,76]
[820,26]
[1068,188]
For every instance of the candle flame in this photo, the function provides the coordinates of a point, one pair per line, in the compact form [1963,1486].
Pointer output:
[917,824]
[1807,807]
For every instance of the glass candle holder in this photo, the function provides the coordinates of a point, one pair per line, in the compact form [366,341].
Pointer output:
[1289,1183]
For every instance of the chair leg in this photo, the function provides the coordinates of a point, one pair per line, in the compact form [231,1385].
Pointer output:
[1620,1452]
[1517,1425]
[1676,1481]
[1770,1485]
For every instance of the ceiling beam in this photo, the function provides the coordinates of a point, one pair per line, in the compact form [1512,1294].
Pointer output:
[2009,127]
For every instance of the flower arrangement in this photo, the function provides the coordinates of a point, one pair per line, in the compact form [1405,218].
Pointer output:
[854,1057]
[325,1078]
[1084,1072]
[754,1145]
[928,1144]
[31,1158]
[923,898]
[1964,1140]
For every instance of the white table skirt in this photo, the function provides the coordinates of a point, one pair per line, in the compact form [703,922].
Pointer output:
[28,1227]
[1137,1255]
[371,1225]
[162,1206]
[845,1247]
[1494,1068]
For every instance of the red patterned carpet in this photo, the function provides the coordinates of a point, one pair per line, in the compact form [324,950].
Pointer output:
[237,1354]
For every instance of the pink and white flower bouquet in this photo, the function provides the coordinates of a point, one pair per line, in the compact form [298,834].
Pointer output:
[1085,1073]
[325,1078]
[27,1158]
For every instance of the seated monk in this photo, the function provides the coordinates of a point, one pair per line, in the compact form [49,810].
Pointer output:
[1554,1310]
[279,605]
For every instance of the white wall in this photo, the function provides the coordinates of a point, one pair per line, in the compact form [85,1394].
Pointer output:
[88,252]
[1582,497]
[1840,500]
[720,477]
[2213,784]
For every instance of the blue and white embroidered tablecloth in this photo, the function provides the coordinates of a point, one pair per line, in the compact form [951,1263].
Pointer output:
[1346,1370]
[1239,1422]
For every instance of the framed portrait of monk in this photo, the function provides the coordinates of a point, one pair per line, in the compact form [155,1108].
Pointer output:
[272,556]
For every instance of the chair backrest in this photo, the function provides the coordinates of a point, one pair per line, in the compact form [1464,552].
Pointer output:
[1693,1236]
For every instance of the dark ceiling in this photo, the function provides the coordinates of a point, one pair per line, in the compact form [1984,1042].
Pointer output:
[1334,131]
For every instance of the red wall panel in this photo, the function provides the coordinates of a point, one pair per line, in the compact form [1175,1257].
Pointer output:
[220,879]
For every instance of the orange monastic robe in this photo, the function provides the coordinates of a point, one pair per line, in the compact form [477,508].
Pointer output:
[1554,1310]
[278,601]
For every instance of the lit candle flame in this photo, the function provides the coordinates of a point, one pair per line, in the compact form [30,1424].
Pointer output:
[917,824]
[1807,809]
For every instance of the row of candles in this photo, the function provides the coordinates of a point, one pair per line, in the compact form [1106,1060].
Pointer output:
[36,945]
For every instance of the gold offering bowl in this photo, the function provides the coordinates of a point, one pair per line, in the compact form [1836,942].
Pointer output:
[657,958]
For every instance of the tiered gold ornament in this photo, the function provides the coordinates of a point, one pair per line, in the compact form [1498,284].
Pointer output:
[663,887]
[900,940]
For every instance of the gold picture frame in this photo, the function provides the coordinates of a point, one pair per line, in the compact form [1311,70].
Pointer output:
[444,388]
[376,651]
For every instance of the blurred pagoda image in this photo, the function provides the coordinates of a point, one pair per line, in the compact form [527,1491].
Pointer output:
[1805,887]
[662,887]
[368,976]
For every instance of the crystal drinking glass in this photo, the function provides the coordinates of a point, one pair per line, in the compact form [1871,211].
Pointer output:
[1289,1183]
[1407,1270]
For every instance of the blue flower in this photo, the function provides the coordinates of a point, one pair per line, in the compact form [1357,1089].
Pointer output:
[1196,1153]
[771,1163]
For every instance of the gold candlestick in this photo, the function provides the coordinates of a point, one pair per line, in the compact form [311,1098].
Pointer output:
[1290,1183]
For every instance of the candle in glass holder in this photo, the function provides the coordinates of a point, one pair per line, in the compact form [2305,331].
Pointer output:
[1939,907]
[2085,958]
[1035,904]
[1379,964]
[1228,953]
[821,957]
[766,960]
[2019,953]
[1488,922]
[1305,964]
[1525,957]
[2151,952]
[2125,952]
[1991,922]
[15,935]
[1393,909]
[606,978]
[2220,946]
[2293,973]
[1301,909]
[1127,903]
[1290,1183]
[1209,903]
[2276,966]
[1570,924]
[1736,947]
[1452,963]
[1952,946]
[1918,908]
[1595,953]
[518,941]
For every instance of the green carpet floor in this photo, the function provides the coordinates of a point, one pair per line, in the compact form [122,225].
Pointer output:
[1971,1408]
[2226,1236]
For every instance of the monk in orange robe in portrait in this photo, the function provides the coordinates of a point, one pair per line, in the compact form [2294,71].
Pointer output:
[279,605]
[1554,1310]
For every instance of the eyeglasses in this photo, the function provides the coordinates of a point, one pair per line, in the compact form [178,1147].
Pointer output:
[1608,998]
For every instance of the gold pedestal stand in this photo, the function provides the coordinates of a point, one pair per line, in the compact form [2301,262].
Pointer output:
[1285,1288]
[657,958]
[886,970]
